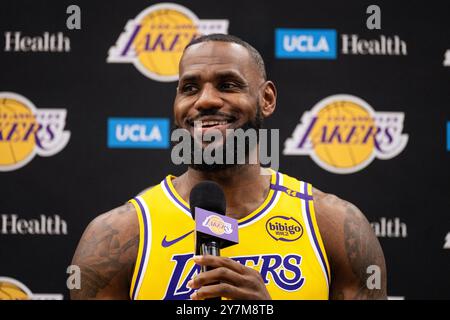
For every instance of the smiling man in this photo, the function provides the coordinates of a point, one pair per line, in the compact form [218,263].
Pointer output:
[295,242]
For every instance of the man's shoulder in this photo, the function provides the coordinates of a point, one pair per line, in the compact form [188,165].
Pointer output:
[351,247]
[328,207]
[333,209]
[123,219]
[325,203]
[335,217]
[106,254]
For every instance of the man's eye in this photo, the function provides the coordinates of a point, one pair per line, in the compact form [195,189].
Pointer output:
[189,88]
[228,85]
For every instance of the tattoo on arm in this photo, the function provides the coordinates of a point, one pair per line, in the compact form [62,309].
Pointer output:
[104,258]
[363,250]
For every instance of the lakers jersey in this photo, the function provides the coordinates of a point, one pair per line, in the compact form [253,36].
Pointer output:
[280,239]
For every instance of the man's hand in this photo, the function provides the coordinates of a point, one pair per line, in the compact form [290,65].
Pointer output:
[229,279]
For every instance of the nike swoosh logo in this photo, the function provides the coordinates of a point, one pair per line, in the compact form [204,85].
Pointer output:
[166,243]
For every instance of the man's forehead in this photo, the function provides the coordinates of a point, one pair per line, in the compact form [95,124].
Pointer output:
[215,55]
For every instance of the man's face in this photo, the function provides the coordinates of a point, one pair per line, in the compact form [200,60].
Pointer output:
[218,88]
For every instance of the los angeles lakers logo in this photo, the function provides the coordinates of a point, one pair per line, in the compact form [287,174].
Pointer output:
[217,225]
[154,41]
[11,289]
[343,134]
[26,131]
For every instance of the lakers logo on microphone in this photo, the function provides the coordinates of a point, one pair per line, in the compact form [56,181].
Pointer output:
[154,41]
[343,134]
[217,225]
[26,131]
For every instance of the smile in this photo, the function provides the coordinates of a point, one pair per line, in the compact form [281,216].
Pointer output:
[211,122]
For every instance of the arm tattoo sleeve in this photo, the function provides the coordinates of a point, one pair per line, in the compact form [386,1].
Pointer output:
[102,256]
[363,250]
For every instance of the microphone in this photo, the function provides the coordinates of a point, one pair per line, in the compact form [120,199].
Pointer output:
[213,230]
[207,195]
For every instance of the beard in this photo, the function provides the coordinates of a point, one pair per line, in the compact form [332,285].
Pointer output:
[221,149]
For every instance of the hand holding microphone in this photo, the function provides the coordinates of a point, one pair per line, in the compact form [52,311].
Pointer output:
[220,276]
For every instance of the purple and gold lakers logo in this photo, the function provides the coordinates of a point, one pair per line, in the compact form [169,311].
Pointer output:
[343,134]
[11,289]
[217,225]
[282,271]
[154,41]
[26,131]
[284,228]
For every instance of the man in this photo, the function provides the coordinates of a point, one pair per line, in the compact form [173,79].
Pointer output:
[144,249]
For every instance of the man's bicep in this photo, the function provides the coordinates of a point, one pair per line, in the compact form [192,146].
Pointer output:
[105,256]
[357,261]
[364,275]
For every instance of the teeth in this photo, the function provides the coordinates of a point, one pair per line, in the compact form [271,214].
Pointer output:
[214,122]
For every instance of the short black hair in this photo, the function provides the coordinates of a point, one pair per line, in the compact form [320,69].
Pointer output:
[256,56]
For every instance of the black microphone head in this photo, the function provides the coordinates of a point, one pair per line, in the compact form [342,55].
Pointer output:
[207,195]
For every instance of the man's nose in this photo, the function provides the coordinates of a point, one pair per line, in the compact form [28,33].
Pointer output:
[209,98]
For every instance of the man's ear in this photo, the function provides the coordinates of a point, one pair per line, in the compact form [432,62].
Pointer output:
[268,98]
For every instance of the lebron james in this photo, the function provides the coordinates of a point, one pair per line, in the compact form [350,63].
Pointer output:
[144,249]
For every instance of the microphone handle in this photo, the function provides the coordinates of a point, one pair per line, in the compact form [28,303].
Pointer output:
[212,248]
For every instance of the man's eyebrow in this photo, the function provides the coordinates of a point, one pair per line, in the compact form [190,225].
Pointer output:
[221,75]
[190,78]
[230,74]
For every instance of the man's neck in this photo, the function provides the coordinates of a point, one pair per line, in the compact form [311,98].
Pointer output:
[244,186]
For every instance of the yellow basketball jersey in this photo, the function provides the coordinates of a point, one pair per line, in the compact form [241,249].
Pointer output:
[280,239]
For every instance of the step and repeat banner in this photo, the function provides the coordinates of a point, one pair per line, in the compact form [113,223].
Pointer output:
[86,96]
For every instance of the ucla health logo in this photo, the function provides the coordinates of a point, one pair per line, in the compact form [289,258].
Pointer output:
[322,44]
[154,41]
[343,134]
[138,133]
[305,43]
[26,131]
[284,228]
